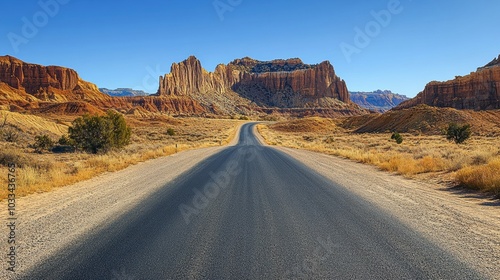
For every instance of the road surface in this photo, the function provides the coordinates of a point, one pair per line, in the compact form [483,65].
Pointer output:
[253,212]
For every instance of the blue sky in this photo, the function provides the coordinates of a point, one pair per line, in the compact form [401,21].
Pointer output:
[373,44]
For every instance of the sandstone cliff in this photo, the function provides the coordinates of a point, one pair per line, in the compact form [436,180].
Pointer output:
[47,83]
[59,90]
[244,86]
[479,90]
[251,84]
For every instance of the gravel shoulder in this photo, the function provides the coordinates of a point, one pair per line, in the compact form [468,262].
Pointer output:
[464,224]
[48,222]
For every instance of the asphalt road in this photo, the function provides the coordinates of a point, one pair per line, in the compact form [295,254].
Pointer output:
[252,212]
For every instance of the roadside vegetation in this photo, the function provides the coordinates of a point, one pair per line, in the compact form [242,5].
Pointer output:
[474,163]
[51,155]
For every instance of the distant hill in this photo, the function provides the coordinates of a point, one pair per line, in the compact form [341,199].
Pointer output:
[123,92]
[424,119]
[379,100]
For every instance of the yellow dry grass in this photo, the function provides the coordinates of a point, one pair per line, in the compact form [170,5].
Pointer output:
[475,164]
[484,177]
[38,173]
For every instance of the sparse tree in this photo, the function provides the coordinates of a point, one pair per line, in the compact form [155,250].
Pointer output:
[99,133]
[42,143]
[458,133]
[120,134]
[396,136]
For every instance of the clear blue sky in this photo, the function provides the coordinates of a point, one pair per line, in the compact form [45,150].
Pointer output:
[130,43]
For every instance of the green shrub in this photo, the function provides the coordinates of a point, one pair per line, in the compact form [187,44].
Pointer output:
[65,141]
[458,133]
[170,132]
[396,136]
[99,133]
[42,143]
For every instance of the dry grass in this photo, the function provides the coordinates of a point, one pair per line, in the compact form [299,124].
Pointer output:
[475,164]
[484,177]
[43,172]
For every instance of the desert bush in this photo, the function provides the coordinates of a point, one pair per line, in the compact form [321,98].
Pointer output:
[244,118]
[65,141]
[42,143]
[64,145]
[9,134]
[396,136]
[12,156]
[99,133]
[170,132]
[120,132]
[458,133]
[23,160]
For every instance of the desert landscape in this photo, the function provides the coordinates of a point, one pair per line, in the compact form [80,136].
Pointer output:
[206,112]
[283,141]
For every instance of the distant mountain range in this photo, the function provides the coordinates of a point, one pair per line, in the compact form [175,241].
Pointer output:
[379,100]
[123,92]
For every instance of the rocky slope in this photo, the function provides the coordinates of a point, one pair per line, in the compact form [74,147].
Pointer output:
[378,101]
[251,84]
[424,119]
[494,62]
[479,90]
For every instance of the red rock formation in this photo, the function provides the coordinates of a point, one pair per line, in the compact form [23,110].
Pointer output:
[278,83]
[478,91]
[59,90]
[47,83]
[241,87]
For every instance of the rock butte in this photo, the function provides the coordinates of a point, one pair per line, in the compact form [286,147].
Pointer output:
[278,83]
[479,90]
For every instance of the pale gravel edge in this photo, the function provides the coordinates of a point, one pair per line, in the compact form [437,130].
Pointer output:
[462,225]
[465,225]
